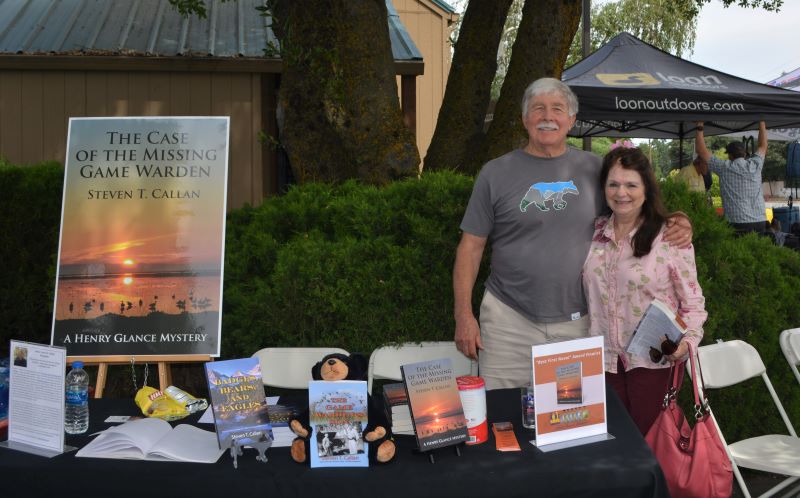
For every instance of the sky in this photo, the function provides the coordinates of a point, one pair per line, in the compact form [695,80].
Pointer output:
[749,43]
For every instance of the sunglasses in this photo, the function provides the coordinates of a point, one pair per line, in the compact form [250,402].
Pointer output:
[667,348]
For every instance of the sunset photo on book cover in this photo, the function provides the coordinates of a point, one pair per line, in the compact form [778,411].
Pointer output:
[435,403]
[142,236]
[569,383]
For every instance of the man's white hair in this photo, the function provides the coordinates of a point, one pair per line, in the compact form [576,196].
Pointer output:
[547,86]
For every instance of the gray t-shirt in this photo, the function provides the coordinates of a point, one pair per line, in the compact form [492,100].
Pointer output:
[538,214]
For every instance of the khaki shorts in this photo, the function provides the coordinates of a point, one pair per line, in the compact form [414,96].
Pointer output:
[507,337]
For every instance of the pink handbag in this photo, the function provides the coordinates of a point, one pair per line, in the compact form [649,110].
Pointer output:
[694,460]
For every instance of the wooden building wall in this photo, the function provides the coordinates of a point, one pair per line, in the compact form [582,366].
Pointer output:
[35,106]
[430,27]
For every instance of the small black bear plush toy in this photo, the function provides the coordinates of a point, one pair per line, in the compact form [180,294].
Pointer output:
[343,367]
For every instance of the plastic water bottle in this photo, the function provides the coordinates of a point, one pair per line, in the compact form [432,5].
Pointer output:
[3,389]
[76,414]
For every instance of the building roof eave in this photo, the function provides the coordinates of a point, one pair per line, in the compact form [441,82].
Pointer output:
[54,62]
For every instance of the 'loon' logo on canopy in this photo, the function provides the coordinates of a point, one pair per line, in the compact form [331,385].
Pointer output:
[646,79]
[627,79]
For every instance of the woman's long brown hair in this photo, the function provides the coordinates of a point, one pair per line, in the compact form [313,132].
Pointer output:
[653,212]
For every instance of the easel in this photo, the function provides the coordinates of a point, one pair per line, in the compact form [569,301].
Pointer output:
[164,362]
[430,453]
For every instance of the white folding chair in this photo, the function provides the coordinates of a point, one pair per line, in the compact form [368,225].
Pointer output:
[790,344]
[290,368]
[728,363]
[385,362]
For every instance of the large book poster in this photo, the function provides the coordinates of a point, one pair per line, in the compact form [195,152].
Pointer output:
[140,258]
[569,389]
[338,416]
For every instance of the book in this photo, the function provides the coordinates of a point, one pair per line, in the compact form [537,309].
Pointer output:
[403,424]
[238,402]
[154,439]
[658,320]
[395,397]
[279,418]
[401,412]
[338,415]
[403,431]
[400,425]
[436,410]
[395,405]
[569,384]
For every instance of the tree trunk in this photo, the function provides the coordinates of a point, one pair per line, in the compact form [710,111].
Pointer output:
[459,127]
[541,47]
[339,114]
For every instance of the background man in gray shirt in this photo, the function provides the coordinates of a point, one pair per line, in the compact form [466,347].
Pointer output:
[739,181]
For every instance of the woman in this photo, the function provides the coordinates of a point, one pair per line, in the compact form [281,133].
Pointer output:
[628,266]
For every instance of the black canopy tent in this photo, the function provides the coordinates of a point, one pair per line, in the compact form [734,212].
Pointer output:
[628,88]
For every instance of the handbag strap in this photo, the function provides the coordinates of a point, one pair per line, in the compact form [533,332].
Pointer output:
[672,388]
[701,407]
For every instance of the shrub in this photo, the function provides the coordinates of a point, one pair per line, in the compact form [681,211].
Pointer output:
[357,267]
[351,265]
[752,291]
[30,214]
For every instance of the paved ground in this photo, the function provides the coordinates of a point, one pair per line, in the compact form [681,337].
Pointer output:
[758,483]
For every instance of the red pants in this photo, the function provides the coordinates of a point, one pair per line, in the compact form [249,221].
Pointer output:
[642,391]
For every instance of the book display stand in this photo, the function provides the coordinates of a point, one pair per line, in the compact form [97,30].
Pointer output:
[164,362]
[241,416]
[261,446]
[430,453]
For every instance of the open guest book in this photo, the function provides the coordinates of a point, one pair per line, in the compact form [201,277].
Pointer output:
[154,439]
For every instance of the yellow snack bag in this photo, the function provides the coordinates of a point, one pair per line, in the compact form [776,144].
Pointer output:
[155,403]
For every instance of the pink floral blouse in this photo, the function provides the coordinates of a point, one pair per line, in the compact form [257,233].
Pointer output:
[619,287]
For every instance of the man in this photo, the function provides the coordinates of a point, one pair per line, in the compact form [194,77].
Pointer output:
[739,181]
[694,175]
[537,205]
[352,439]
[326,446]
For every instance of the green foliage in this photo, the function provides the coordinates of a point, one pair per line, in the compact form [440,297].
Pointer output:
[188,7]
[768,5]
[30,210]
[600,145]
[667,24]
[356,266]
[775,162]
[752,289]
[350,265]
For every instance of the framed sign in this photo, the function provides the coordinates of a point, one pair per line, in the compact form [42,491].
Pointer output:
[570,394]
[141,250]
